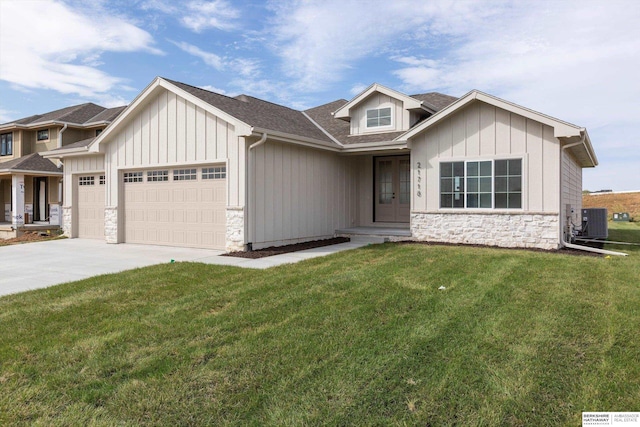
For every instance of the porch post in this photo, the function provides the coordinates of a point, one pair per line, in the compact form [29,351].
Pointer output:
[17,200]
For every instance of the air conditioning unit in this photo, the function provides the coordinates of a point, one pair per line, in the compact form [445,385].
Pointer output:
[594,223]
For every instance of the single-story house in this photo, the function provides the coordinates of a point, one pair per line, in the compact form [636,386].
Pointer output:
[30,185]
[188,167]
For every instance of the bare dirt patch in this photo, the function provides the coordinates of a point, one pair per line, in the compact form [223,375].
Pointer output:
[621,202]
[29,237]
[277,250]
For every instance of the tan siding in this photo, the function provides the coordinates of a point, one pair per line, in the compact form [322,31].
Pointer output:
[168,131]
[571,186]
[483,131]
[78,165]
[400,119]
[298,193]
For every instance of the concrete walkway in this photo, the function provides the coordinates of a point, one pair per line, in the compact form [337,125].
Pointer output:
[42,264]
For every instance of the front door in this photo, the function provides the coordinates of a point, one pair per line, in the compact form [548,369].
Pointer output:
[392,189]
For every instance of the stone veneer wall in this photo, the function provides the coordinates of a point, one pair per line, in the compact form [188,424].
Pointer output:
[67,214]
[111,224]
[513,230]
[235,229]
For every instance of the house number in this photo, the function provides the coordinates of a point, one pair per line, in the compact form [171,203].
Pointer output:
[419,180]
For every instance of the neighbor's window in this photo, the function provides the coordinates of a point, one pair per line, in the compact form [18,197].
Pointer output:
[133,177]
[43,135]
[218,172]
[86,180]
[185,174]
[6,144]
[481,184]
[155,176]
[379,117]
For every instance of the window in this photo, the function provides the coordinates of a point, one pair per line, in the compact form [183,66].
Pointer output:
[219,172]
[481,184]
[102,180]
[42,135]
[508,184]
[133,177]
[98,132]
[379,117]
[86,180]
[156,176]
[184,174]
[6,144]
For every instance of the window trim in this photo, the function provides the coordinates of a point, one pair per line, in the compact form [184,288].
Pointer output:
[38,139]
[391,121]
[523,174]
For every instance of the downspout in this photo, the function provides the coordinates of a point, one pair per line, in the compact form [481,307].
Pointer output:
[258,143]
[60,132]
[571,245]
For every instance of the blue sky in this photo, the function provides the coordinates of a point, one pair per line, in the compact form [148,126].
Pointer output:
[578,61]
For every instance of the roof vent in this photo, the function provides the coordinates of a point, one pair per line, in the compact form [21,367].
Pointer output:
[243,98]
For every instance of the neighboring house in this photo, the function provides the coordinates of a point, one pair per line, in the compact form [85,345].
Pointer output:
[30,190]
[187,167]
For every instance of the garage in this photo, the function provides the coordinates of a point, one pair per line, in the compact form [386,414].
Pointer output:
[90,190]
[183,206]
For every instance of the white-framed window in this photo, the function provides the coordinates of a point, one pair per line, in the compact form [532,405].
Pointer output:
[102,179]
[133,177]
[217,172]
[86,180]
[185,174]
[42,135]
[379,117]
[157,176]
[485,184]
[6,144]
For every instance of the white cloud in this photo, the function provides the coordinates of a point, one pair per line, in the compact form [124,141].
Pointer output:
[244,67]
[357,88]
[208,58]
[213,89]
[46,45]
[198,15]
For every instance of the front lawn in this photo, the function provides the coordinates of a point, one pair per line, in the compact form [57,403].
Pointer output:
[363,337]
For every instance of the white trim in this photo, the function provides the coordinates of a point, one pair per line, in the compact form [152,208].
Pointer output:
[383,127]
[173,165]
[409,103]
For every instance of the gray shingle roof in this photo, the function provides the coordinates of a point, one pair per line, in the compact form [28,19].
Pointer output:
[258,113]
[31,162]
[438,100]
[76,114]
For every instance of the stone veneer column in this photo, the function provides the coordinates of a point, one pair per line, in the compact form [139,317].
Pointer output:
[67,217]
[111,224]
[517,230]
[235,229]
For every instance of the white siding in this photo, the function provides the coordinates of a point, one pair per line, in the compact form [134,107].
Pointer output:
[481,131]
[299,194]
[399,116]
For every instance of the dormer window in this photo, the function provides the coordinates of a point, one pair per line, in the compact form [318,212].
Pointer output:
[379,117]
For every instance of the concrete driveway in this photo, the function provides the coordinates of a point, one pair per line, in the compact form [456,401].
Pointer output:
[41,264]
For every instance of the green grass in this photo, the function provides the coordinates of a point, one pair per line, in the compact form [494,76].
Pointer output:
[362,337]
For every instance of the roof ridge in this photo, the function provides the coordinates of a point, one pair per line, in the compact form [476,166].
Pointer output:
[199,88]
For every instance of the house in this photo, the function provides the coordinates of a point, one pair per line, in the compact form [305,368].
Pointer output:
[30,190]
[187,167]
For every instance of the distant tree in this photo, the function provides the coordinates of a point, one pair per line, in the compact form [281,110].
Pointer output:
[585,192]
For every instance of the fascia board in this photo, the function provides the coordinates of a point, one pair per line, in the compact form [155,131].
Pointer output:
[295,139]
[409,102]
[28,172]
[78,151]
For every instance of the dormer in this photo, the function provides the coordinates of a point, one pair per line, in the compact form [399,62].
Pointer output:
[379,109]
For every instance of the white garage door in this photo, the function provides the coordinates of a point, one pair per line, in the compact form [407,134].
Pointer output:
[176,207]
[91,206]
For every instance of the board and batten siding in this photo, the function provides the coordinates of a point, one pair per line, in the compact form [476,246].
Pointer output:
[169,131]
[89,164]
[298,194]
[399,116]
[479,132]
[571,186]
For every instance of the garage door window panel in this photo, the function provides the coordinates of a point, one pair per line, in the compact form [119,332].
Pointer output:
[158,176]
[185,175]
[219,172]
[133,177]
